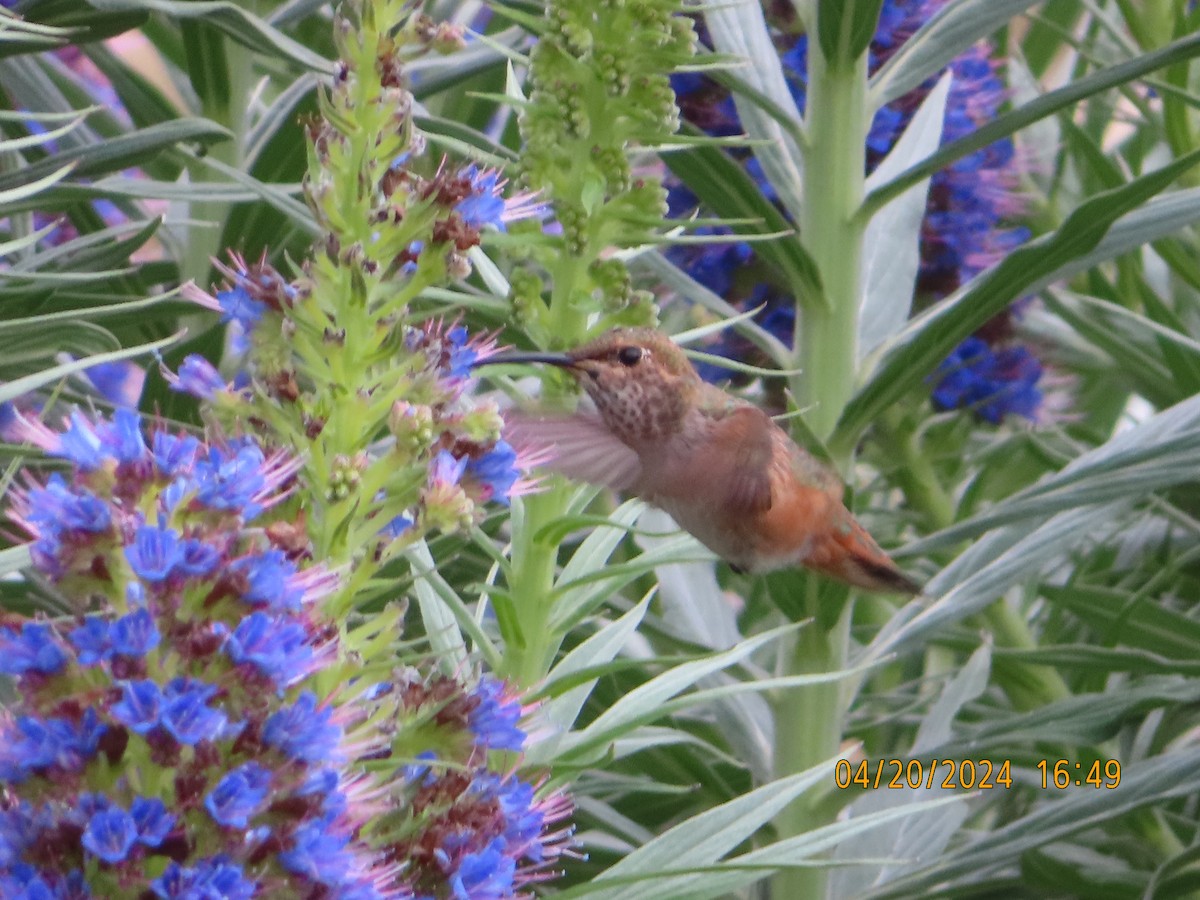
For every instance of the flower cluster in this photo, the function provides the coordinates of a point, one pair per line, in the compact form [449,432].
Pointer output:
[334,362]
[482,833]
[168,741]
[971,203]
[990,382]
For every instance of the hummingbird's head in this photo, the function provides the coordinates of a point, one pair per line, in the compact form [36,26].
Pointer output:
[639,379]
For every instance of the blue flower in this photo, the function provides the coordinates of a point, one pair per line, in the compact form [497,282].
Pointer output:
[484,876]
[493,720]
[110,834]
[198,377]
[81,444]
[277,646]
[990,383]
[215,878]
[521,818]
[187,715]
[153,553]
[497,471]
[125,436]
[461,356]
[174,454]
[91,641]
[447,469]
[31,744]
[324,783]
[239,795]
[152,820]
[57,507]
[268,580]
[135,634]
[196,558]
[319,853]
[238,306]
[140,706]
[713,265]
[303,732]
[484,206]
[119,382]
[33,650]
[231,480]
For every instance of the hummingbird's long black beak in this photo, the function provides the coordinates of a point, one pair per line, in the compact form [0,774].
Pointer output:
[536,356]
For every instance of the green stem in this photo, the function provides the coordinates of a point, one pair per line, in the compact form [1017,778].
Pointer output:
[528,660]
[809,721]
[834,184]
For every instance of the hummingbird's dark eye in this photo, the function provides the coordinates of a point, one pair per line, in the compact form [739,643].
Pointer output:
[629,356]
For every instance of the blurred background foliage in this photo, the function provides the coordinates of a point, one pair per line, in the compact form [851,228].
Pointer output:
[989,320]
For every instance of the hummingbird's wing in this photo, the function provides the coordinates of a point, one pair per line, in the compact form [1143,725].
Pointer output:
[582,446]
[741,443]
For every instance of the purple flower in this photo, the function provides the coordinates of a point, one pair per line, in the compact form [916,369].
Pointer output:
[135,634]
[210,879]
[277,646]
[494,720]
[153,553]
[239,795]
[140,706]
[196,558]
[484,206]
[269,580]
[33,650]
[319,853]
[118,382]
[484,876]
[174,454]
[496,471]
[198,377]
[990,383]
[303,732]
[153,821]
[187,715]
[110,834]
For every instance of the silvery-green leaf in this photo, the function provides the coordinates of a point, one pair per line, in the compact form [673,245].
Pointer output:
[919,836]
[891,246]
[740,30]
[947,34]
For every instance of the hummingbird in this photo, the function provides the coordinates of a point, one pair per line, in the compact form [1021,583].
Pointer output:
[719,465]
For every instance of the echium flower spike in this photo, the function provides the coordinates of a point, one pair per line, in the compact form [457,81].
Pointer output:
[391,447]
[166,742]
[577,153]
[330,356]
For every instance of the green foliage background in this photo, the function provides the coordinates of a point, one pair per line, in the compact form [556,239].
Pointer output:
[1059,621]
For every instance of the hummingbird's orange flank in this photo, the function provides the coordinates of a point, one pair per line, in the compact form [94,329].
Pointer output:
[719,465]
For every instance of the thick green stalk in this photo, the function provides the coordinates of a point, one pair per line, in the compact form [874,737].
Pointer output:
[834,180]
[809,721]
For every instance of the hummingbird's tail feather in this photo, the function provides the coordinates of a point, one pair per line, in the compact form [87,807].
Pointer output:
[855,558]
